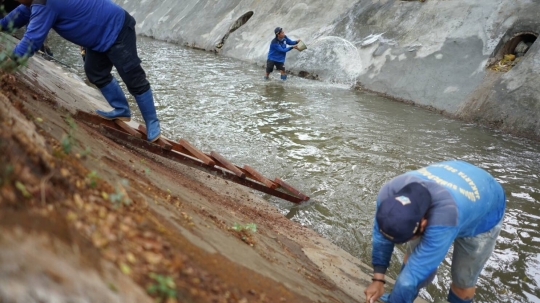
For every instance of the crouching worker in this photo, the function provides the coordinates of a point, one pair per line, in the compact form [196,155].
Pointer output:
[429,209]
[107,32]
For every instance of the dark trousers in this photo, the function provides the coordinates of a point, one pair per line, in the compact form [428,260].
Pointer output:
[123,56]
[270,66]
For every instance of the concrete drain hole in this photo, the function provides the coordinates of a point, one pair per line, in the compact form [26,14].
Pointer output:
[236,25]
[512,52]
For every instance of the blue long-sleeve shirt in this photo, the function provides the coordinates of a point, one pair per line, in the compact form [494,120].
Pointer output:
[278,49]
[466,201]
[93,24]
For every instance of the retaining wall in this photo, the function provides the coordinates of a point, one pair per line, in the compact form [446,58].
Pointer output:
[433,53]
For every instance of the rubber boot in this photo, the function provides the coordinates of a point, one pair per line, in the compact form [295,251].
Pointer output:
[266,78]
[115,96]
[148,111]
[284,77]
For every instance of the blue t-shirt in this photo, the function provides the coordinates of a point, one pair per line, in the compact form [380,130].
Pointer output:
[93,24]
[466,201]
[279,49]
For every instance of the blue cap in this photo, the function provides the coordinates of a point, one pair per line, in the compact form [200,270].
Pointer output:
[399,217]
[277,30]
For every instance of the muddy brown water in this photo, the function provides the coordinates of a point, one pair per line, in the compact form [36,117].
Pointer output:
[339,146]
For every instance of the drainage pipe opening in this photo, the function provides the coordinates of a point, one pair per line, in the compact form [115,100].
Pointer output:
[520,44]
[513,51]
[236,25]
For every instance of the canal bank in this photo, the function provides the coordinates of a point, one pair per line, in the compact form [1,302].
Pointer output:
[436,54]
[166,220]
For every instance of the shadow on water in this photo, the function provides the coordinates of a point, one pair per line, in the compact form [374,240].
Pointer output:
[274,90]
[340,146]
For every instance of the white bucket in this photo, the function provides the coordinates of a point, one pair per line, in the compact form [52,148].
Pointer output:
[301,46]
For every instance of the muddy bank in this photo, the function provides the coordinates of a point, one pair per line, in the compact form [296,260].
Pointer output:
[111,223]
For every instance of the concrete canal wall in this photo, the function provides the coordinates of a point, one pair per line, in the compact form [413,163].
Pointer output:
[435,53]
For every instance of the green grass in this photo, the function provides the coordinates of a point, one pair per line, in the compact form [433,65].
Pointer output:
[163,287]
[8,63]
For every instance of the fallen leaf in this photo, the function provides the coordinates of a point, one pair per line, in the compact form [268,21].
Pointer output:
[22,189]
[64,172]
[152,258]
[125,268]
[98,240]
[71,216]
[78,200]
[131,258]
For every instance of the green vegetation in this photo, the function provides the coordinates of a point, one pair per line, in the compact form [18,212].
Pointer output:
[22,189]
[85,152]
[164,286]
[120,197]
[92,178]
[248,227]
[6,174]
[8,63]
[68,140]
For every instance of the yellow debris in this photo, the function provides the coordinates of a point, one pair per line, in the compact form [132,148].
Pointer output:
[509,57]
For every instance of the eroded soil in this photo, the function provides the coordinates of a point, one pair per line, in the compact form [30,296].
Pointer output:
[107,215]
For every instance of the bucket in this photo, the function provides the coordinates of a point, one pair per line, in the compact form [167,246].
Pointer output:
[301,46]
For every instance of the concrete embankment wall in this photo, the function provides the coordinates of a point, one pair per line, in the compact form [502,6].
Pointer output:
[434,53]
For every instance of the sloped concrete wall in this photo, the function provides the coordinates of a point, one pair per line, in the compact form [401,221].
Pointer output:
[433,53]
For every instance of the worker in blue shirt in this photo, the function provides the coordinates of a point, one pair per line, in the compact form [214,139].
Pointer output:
[430,209]
[278,51]
[107,32]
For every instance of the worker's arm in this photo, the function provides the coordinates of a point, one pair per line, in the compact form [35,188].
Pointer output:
[381,254]
[425,259]
[281,48]
[41,21]
[16,19]
[291,42]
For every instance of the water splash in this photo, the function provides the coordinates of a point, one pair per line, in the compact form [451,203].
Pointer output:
[333,59]
[371,39]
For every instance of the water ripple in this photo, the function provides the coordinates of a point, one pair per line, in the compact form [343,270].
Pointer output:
[340,146]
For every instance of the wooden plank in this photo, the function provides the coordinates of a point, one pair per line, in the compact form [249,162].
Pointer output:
[228,165]
[248,175]
[114,131]
[241,170]
[133,142]
[196,153]
[127,128]
[291,189]
[161,142]
[179,148]
[259,177]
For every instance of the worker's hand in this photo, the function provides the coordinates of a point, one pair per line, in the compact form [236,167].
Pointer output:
[298,40]
[374,291]
[295,47]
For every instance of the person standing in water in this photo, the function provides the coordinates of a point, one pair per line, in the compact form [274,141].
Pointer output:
[278,51]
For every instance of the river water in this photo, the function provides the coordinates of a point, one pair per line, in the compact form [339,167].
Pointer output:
[340,146]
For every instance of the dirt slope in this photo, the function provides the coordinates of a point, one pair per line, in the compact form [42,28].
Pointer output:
[83,217]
